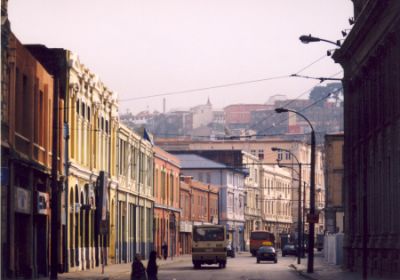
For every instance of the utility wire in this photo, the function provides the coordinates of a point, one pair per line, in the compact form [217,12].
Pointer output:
[292,100]
[223,85]
[309,106]
[204,88]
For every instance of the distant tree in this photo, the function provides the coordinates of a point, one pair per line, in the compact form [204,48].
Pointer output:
[319,92]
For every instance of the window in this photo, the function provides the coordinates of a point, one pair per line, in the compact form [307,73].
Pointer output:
[83,109]
[261,154]
[280,155]
[288,156]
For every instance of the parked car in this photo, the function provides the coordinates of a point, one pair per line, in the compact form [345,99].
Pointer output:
[267,253]
[289,249]
[230,251]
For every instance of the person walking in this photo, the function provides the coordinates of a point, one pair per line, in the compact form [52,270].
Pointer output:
[164,249]
[138,270]
[152,267]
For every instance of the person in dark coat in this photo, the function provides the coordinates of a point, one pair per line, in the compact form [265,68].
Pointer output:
[138,270]
[152,267]
[164,249]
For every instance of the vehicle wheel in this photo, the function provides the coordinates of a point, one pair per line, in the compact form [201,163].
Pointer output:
[197,265]
[220,265]
[258,261]
[224,264]
[233,255]
[275,261]
[283,255]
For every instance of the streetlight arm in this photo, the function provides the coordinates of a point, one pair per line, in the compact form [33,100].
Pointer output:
[305,39]
[304,117]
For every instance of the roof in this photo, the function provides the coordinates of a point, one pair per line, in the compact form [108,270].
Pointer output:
[192,161]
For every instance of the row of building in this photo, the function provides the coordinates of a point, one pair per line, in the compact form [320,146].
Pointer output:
[77,184]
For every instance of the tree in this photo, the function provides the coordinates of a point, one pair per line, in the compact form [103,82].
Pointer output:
[319,93]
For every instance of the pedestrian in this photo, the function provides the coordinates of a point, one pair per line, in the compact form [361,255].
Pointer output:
[152,267]
[164,249]
[138,270]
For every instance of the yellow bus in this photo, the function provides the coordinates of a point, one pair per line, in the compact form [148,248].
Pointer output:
[209,245]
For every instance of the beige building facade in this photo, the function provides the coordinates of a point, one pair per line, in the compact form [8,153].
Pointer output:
[334,211]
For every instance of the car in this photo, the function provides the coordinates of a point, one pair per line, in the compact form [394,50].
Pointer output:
[267,253]
[230,251]
[289,249]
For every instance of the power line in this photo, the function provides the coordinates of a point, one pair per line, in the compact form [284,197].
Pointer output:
[222,85]
[205,88]
[311,105]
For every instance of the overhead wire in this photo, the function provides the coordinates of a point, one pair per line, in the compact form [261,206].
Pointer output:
[222,85]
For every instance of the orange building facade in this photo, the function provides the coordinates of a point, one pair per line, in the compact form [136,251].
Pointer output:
[199,204]
[167,213]
[27,156]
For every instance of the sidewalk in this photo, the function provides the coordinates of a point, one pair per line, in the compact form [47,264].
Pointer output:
[116,271]
[326,271]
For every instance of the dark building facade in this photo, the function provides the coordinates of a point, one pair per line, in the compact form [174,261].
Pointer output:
[370,57]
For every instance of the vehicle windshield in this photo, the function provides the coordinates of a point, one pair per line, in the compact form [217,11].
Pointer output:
[267,249]
[208,234]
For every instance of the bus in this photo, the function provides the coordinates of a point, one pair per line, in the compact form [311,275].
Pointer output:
[209,245]
[260,238]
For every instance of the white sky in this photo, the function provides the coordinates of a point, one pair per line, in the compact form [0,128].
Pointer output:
[142,48]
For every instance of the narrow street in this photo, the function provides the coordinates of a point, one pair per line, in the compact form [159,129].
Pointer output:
[242,267]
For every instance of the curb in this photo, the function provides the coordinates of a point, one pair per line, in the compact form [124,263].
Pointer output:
[302,273]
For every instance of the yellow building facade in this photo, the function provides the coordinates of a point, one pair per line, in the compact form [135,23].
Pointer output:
[134,199]
[91,132]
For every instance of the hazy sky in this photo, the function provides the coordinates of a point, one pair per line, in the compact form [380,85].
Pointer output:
[142,48]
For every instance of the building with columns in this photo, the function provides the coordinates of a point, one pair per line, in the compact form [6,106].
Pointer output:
[370,58]
[89,140]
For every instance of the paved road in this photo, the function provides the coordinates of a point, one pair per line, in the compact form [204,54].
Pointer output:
[243,267]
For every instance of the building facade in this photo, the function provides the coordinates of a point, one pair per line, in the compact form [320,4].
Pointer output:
[199,204]
[253,198]
[276,202]
[370,59]
[134,201]
[230,183]
[334,211]
[31,164]
[166,208]
[261,148]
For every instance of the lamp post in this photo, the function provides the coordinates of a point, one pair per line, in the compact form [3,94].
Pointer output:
[305,39]
[311,218]
[299,222]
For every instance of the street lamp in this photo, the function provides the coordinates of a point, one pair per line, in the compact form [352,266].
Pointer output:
[299,222]
[305,39]
[311,218]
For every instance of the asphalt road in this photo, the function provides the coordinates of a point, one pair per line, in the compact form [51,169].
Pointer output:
[243,267]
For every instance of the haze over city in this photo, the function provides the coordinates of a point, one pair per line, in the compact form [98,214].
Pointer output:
[145,48]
